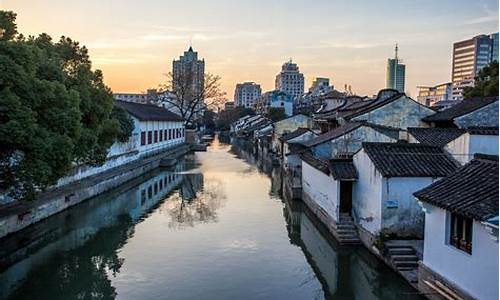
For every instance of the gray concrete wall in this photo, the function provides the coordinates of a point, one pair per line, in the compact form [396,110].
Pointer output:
[17,216]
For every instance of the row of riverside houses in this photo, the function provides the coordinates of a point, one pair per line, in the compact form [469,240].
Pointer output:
[157,134]
[418,188]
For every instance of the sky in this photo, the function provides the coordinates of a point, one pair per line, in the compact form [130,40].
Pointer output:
[134,42]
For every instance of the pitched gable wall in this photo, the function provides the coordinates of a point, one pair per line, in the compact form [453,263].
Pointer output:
[401,113]
[485,116]
[350,142]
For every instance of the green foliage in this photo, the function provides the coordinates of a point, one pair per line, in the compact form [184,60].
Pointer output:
[54,111]
[126,123]
[276,114]
[226,117]
[485,83]
[8,27]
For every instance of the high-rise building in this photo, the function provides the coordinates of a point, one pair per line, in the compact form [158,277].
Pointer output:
[246,93]
[191,69]
[320,86]
[430,95]
[395,73]
[469,57]
[290,80]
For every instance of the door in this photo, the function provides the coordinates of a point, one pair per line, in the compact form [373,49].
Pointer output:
[346,197]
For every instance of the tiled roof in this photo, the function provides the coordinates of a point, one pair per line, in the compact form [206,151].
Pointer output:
[482,130]
[410,160]
[332,134]
[348,127]
[296,133]
[373,105]
[435,136]
[472,191]
[296,148]
[317,163]
[148,112]
[343,169]
[464,107]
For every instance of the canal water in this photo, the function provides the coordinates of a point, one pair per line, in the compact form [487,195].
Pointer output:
[215,226]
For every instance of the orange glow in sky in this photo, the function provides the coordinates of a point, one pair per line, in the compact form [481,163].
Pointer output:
[134,42]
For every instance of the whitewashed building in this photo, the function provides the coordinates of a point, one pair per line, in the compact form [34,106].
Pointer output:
[460,259]
[388,175]
[155,130]
[462,144]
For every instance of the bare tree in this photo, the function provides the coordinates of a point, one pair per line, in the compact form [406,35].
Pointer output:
[190,95]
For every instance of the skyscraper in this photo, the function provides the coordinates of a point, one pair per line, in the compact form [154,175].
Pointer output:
[469,57]
[246,93]
[395,73]
[290,80]
[190,71]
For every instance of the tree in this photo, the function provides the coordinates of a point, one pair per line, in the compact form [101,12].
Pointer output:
[55,111]
[485,83]
[191,98]
[276,113]
[226,117]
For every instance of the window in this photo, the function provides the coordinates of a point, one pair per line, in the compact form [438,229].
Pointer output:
[165,133]
[156,136]
[161,135]
[150,137]
[156,188]
[150,192]
[461,232]
[143,138]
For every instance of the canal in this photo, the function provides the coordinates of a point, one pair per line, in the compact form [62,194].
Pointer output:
[215,226]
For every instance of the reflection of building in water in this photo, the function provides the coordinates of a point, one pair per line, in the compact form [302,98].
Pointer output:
[191,185]
[92,231]
[276,183]
[197,201]
[344,272]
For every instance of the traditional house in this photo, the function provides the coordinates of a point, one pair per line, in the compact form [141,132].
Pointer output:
[474,112]
[155,130]
[347,139]
[390,108]
[388,174]
[462,144]
[298,136]
[327,191]
[288,125]
[461,233]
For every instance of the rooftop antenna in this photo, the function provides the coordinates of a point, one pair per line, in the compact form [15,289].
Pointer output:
[290,60]
[396,52]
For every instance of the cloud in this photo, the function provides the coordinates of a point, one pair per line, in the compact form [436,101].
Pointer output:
[481,20]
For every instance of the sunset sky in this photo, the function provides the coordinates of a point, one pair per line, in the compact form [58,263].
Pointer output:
[134,42]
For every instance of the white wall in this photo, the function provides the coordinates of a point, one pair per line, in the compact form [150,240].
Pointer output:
[321,189]
[122,153]
[477,274]
[487,144]
[407,219]
[464,147]
[367,194]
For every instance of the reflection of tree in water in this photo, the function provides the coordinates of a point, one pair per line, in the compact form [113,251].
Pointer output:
[81,273]
[196,202]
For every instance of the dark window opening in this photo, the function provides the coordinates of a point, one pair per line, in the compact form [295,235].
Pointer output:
[461,233]
[143,138]
[150,137]
[156,136]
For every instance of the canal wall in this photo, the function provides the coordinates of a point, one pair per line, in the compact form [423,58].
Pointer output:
[19,215]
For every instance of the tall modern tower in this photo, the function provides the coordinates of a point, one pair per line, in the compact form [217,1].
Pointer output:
[469,57]
[190,71]
[246,93]
[290,80]
[396,72]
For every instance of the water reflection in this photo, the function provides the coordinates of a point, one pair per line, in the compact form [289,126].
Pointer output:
[48,259]
[217,226]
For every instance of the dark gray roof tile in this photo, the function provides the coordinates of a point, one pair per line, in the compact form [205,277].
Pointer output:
[471,191]
[410,160]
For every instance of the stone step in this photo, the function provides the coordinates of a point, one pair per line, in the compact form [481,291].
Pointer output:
[401,251]
[391,246]
[406,264]
[345,225]
[408,257]
[351,241]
